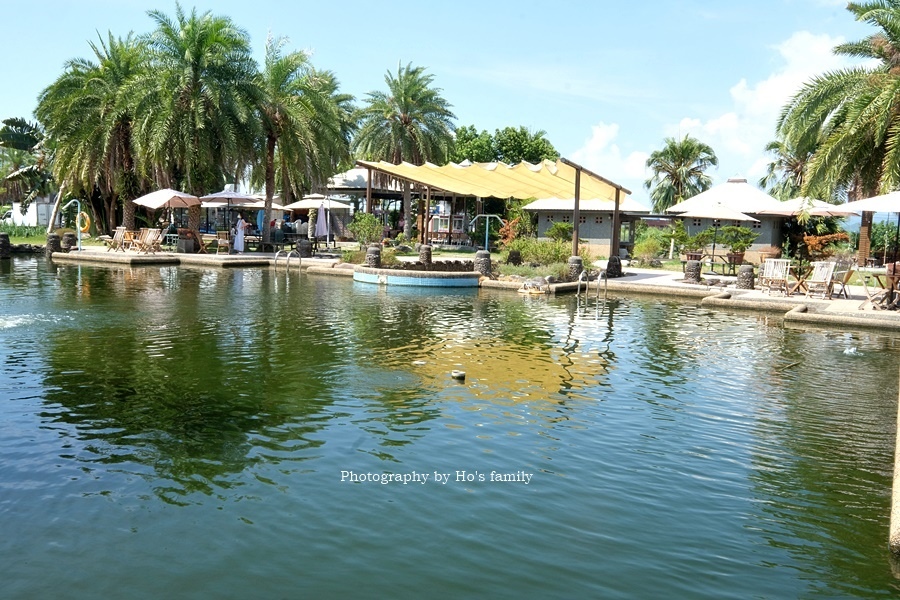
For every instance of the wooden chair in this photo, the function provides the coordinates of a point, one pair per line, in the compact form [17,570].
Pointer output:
[874,295]
[223,242]
[202,246]
[774,275]
[129,240]
[117,241]
[151,241]
[840,279]
[819,281]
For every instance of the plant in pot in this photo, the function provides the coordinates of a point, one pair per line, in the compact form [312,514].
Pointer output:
[738,240]
[690,245]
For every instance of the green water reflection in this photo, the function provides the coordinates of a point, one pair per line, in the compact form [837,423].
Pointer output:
[180,432]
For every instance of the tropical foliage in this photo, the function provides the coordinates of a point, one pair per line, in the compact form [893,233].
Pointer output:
[850,118]
[409,122]
[25,161]
[510,145]
[187,107]
[679,171]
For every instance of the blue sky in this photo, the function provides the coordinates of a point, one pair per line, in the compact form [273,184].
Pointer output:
[607,81]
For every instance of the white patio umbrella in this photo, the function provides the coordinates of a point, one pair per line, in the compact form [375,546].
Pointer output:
[261,204]
[167,198]
[815,208]
[311,203]
[717,212]
[735,193]
[321,226]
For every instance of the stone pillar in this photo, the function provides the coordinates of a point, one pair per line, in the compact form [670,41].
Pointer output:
[53,244]
[304,248]
[692,271]
[69,241]
[425,255]
[745,277]
[576,266]
[483,262]
[614,267]
[373,257]
[5,248]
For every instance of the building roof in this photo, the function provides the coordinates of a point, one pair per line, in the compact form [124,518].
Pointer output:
[590,205]
[547,179]
[735,194]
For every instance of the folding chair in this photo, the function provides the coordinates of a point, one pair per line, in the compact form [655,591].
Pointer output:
[819,281]
[840,279]
[774,275]
[223,242]
[874,295]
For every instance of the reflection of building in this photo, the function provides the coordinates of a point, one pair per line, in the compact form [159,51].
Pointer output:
[594,221]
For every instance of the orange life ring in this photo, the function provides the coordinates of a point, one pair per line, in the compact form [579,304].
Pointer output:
[83,222]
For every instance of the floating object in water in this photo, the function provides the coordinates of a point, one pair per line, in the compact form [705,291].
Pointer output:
[418,362]
[456,374]
[533,287]
[850,350]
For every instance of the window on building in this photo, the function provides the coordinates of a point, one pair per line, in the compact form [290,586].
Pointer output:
[598,220]
[698,222]
[582,219]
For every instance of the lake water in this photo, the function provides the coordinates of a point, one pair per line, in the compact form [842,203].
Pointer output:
[176,432]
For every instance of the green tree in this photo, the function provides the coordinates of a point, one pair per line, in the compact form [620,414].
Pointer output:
[515,144]
[473,146]
[852,116]
[679,171]
[786,173]
[196,119]
[88,111]
[365,228]
[410,122]
[510,145]
[304,117]
[25,142]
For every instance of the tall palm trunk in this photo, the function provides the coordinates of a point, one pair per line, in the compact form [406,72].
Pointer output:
[270,184]
[407,210]
[128,211]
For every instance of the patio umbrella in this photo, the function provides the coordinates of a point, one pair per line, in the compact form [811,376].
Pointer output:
[312,203]
[167,198]
[735,193]
[321,226]
[717,212]
[226,199]
[810,206]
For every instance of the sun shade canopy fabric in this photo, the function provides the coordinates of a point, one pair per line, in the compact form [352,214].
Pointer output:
[547,179]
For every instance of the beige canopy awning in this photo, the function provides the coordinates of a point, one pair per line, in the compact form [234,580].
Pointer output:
[547,179]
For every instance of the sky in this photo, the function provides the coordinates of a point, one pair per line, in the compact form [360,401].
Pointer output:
[606,81]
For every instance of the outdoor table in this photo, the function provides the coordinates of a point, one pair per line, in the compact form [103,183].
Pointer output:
[889,283]
[799,274]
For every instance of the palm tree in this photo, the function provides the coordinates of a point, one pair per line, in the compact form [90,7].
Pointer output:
[853,112]
[31,172]
[679,171]
[195,118]
[304,118]
[786,173]
[410,122]
[88,112]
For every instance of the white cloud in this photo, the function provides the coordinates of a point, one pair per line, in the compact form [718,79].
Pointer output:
[739,135]
[601,154]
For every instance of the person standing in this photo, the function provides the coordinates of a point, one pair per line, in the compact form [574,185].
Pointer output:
[239,228]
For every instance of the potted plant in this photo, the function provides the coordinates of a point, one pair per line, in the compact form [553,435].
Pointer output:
[738,240]
[691,245]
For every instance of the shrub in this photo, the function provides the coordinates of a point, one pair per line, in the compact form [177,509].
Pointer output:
[365,228]
[560,232]
[646,250]
[543,252]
